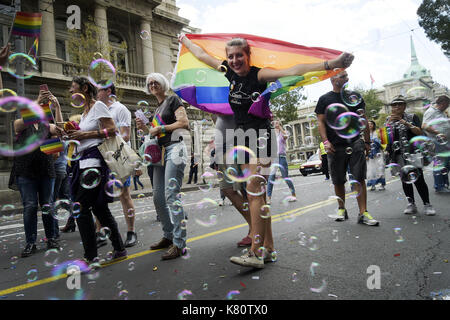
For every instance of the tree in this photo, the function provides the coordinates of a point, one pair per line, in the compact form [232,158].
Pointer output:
[284,107]
[434,19]
[85,46]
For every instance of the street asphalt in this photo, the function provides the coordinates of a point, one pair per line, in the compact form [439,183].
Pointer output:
[317,257]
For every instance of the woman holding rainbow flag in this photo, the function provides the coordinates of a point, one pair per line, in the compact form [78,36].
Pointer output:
[169,120]
[247,82]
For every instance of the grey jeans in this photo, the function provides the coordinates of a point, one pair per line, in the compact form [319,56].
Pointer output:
[167,181]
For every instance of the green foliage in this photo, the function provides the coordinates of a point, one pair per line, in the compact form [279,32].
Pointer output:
[434,19]
[373,104]
[284,107]
[85,45]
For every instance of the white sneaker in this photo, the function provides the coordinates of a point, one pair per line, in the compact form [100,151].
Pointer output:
[429,210]
[411,208]
[292,199]
[221,202]
[382,188]
[248,260]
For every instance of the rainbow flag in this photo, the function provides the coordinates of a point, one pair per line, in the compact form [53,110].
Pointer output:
[27,24]
[29,116]
[158,121]
[34,49]
[47,111]
[52,146]
[207,89]
[386,135]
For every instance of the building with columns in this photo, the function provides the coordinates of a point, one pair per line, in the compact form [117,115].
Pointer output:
[302,142]
[417,86]
[120,22]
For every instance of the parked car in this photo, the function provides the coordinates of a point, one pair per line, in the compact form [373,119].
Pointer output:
[313,165]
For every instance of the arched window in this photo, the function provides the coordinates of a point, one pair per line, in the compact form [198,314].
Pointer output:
[119,53]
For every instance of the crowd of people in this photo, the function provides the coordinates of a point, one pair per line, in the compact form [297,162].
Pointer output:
[44,179]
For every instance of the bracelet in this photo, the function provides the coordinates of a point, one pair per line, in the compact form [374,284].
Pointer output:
[163,129]
[326,65]
[326,141]
[106,133]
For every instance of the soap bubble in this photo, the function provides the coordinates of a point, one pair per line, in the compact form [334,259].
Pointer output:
[90,178]
[114,188]
[104,233]
[409,174]
[350,98]
[144,34]
[62,209]
[29,65]
[184,294]
[78,100]
[31,113]
[101,70]
[332,112]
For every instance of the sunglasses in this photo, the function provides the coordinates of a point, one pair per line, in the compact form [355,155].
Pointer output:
[396,105]
[153,83]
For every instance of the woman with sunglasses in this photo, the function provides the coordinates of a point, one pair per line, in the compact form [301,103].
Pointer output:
[168,177]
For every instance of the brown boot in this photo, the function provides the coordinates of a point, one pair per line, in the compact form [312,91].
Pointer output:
[163,243]
[172,253]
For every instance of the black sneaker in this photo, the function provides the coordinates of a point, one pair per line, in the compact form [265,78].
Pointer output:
[131,239]
[53,244]
[100,242]
[30,249]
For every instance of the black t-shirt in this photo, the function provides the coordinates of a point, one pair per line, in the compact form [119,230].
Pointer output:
[167,112]
[35,164]
[330,98]
[240,95]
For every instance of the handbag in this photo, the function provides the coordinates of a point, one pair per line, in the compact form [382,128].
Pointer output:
[151,152]
[119,157]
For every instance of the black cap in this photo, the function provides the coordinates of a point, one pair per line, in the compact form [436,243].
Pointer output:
[398,99]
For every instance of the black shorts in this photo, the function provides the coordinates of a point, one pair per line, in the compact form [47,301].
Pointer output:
[340,161]
[260,138]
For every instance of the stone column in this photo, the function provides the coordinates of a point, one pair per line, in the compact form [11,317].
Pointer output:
[147,47]
[102,23]
[47,41]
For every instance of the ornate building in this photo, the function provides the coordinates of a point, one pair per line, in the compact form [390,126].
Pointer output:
[416,85]
[120,22]
[302,142]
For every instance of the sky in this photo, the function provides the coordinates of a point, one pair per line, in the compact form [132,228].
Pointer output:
[377,32]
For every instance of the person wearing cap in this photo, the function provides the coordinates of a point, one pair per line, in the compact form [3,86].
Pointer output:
[440,129]
[406,126]
[339,159]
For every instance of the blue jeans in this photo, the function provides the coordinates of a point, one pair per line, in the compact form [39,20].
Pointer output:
[167,181]
[284,173]
[34,191]
[441,180]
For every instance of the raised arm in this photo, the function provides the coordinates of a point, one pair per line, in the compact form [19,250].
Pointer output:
[199,53]
[268,74]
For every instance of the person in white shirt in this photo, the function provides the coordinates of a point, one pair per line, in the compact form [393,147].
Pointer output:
[90,173]
[122,118]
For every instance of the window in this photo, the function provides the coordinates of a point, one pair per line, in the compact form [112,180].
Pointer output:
[119,54]
[61,49]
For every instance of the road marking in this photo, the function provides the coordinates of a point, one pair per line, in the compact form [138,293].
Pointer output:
[278,217]
[296,212]
[11,226]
